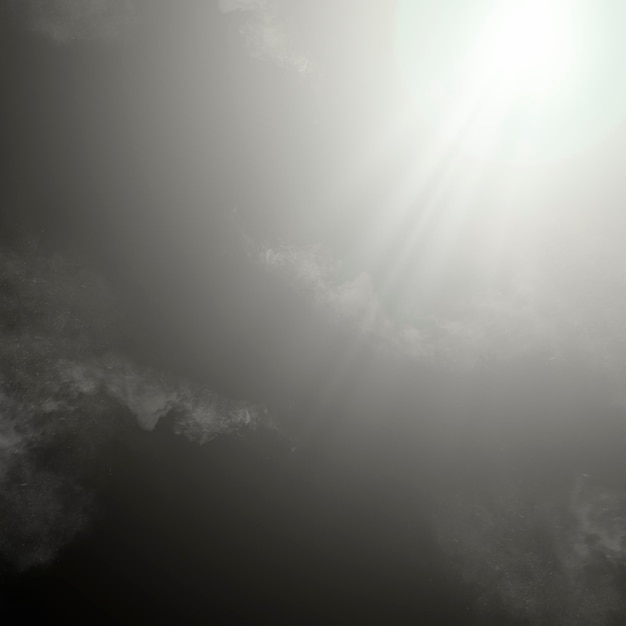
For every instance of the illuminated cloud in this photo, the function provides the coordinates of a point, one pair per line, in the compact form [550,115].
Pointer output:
[266,33]
[541,316]
[540,559]
[313,272]
[228,6]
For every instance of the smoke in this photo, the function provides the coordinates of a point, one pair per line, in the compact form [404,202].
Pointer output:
[600,515]
[314,273]
[42,501]
[264,29]
[148,395]
[522,375]
[534,320]
[228,6]
[543,562]
[63,391]
[266,33]
[42,511]
[44,507]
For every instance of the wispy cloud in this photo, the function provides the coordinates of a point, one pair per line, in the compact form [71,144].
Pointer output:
[266,33]
[59,386]
[543,559]
[199,413]
[313,272]
[600,515]
[545,562]
[543,320]
[65,21]
[228,6]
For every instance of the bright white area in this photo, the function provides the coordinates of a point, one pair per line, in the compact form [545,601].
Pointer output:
[515,64]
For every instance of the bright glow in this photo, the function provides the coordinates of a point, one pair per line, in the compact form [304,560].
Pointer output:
[514,65]
[536,79]
[529,45]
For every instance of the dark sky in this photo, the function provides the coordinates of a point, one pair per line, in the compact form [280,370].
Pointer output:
[230,223]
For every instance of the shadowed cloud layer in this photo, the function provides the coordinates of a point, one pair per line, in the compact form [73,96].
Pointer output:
[64,394]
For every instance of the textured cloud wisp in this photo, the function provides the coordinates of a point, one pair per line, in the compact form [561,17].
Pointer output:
[266,34]
[533,320]
[63,393]
[64,21]
[544,562]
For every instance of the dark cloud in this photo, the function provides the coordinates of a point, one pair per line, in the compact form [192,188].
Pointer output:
[62,387]
[543,561]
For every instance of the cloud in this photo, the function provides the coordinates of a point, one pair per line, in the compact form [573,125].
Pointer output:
[44,505]
[199,413]
[42,511]
[540,562]
[65,21]
[201,417]
[313,272]
[61,387]
[228,6]
[600,515]
[540,319]
[266,33]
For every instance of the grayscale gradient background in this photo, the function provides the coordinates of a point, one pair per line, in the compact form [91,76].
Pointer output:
[264,360]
